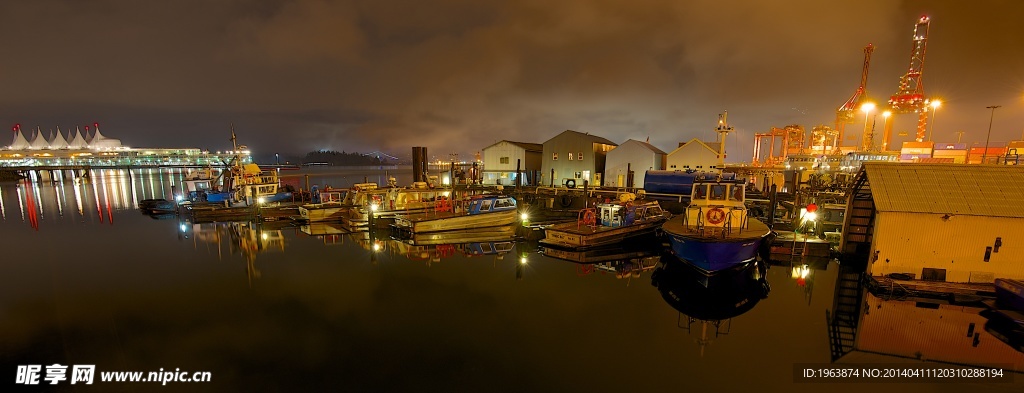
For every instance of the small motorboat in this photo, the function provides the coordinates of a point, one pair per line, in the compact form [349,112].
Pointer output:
[157,206]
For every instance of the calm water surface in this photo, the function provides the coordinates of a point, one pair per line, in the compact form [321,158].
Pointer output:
[87,279]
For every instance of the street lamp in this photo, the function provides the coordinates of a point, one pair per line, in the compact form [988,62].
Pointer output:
[885,127]
[868,142]
[278,158]
[984,155]
[935,106]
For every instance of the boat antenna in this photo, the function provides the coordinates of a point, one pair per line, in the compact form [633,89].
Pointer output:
[234,144]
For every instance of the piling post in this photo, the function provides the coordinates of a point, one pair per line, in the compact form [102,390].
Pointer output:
[629,175]
[518,179]
[586,194]
[552,177]
[773,200]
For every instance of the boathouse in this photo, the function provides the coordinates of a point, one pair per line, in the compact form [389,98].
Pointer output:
[500,162]
[627,163]
[939,222]
[696,155]
[572,157]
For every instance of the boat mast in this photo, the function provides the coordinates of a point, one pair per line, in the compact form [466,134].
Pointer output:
[723,130]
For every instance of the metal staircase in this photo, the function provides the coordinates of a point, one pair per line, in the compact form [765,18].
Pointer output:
[843,319]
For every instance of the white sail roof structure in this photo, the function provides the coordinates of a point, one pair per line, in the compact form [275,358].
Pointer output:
[99,141]
[58,141]
[77,141]
[19,143]
[39,142]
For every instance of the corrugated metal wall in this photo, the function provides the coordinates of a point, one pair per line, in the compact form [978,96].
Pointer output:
[900,328]
[909,242]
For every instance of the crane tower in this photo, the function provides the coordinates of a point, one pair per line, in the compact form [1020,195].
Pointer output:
[846,112]
[909,98]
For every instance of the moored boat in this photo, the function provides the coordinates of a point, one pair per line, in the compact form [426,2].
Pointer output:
[608,223]
[329,205]
[715,233]
[480,211]
[386,203]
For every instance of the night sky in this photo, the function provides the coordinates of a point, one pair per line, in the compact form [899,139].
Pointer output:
[458,75]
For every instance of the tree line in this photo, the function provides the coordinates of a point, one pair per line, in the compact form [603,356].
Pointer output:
[342,158]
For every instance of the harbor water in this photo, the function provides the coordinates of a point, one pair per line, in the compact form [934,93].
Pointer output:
[88,279]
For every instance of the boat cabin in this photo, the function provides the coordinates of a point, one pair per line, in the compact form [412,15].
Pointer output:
[616,214]
[490,204]
[717,202]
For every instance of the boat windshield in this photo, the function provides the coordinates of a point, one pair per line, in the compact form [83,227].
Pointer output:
[700,191]
[485,205]
[718,192]
[737,193]
[504,202]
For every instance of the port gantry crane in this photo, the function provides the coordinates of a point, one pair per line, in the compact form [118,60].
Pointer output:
[909,98]
[846,113]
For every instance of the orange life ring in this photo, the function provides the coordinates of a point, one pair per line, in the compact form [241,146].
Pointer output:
[715,216]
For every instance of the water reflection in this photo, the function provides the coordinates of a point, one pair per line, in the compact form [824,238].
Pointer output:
[623,262]
[93,196]
[244,239]
[709,302]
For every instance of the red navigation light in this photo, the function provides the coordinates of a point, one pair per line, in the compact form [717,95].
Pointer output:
[812,208]
[87,128]
[97,125]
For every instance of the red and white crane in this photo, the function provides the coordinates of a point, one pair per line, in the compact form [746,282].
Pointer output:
[909,98]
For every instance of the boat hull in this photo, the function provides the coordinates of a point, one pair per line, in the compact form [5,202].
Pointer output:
[716,253]
[320,213]
[447,222]
[493,234]
[575,237]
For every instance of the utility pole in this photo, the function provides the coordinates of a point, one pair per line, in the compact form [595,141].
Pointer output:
[959,136]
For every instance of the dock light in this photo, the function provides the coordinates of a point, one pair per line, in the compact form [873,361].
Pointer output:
[522,260]
[183,227]
[374,207]
[376,246]
[265,236]
[261,200]
[524,217]
[178,198]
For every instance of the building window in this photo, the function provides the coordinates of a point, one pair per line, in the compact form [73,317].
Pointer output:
[554,156]
[570,156]
[579,156]
[673,166]
[503,160]
[578,175]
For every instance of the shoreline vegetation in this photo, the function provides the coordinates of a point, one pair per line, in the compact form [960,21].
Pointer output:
[335,158]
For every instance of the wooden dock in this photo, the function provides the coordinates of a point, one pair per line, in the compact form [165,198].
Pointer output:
[953,292]
[219,213]
[790,244]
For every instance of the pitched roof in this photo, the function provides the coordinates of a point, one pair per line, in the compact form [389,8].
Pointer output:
[712,146]
[537,147]
[645,144]
[592,138]
[979,190]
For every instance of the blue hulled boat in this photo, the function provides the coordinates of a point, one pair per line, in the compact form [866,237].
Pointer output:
[715,232]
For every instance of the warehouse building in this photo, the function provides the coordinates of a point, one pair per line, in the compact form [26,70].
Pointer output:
[938,222]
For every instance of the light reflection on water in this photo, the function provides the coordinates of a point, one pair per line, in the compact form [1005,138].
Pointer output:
[292,308]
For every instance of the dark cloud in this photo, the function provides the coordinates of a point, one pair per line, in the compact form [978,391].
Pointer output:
[459,74]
